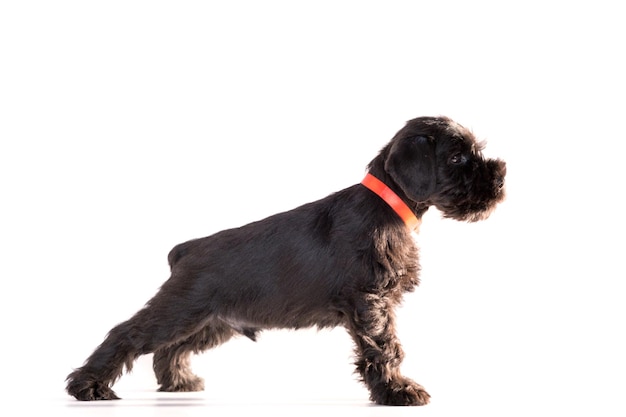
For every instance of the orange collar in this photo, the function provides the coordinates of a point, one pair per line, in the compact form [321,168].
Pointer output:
[391,198]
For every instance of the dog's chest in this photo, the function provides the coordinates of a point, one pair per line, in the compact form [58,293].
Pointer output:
[396,262]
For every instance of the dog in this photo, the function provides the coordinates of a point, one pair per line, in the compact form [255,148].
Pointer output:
[345,260]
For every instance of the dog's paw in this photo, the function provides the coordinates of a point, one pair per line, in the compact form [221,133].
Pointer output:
[187,385]
[91,391]
[401,392]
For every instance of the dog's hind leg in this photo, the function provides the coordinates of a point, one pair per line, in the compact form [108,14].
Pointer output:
[171,363]
[379,354]
[163,322]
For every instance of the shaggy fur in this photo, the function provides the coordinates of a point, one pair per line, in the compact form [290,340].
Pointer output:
[344,260]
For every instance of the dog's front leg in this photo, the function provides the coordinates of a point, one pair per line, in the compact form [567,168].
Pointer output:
[379,354]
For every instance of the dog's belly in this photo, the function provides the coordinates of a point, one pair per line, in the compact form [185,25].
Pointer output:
[250,327]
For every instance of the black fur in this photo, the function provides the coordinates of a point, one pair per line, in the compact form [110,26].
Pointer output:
[344,260]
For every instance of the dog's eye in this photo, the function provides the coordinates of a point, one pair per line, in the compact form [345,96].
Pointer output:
[457,158]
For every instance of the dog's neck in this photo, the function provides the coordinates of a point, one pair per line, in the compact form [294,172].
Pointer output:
[391,198]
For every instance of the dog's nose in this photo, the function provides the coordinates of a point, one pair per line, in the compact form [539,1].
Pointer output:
[500,173]
[499,182]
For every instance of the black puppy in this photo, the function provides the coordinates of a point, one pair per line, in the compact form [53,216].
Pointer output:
[344,260]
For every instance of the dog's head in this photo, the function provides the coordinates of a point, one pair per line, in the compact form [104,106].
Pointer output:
[435,161]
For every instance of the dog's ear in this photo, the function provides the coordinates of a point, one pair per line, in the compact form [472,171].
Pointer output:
[411,164]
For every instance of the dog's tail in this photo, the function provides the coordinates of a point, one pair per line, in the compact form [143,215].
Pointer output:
[177,253]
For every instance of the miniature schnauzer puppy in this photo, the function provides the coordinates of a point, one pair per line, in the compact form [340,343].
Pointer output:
[345,260]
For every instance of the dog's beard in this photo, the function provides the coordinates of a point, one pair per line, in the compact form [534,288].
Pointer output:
[478,215]
[471,212]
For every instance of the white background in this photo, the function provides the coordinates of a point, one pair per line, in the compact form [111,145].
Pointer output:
[127,127]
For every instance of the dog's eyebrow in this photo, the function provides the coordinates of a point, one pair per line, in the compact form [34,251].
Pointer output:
[479,146]
[475,145]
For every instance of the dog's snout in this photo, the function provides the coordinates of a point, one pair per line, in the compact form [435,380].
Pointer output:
[499,172]
[502,167]
[499,182]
